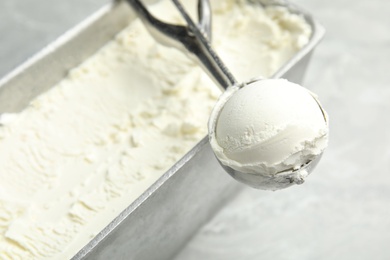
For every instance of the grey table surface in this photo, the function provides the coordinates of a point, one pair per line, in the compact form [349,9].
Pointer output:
[343,210]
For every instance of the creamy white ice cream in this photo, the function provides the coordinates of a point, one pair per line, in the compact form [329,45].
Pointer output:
[269,127]
[82,152]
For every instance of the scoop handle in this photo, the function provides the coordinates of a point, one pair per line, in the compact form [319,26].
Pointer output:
[188,38]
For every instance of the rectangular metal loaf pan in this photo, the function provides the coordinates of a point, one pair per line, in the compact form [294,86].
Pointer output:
[163,218]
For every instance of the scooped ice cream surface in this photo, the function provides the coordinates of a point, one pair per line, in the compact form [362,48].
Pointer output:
[270,126]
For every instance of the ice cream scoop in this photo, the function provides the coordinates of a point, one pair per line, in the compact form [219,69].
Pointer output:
[269,133]
[238,135]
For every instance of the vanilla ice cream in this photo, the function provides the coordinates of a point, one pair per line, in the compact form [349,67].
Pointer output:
[87,148]
[269,127]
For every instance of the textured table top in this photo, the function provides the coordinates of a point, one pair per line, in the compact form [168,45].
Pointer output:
[343,210]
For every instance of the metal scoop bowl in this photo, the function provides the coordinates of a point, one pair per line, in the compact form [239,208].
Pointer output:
[260,180]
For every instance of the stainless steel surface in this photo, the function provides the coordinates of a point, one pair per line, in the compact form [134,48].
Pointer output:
[161,221]
[276,182]
[208,58]
[187,39]
[205,20]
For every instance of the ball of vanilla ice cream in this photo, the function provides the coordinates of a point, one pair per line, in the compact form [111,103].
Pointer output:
[269,127]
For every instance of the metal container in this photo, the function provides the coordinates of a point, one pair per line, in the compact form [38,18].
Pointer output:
[163,218]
